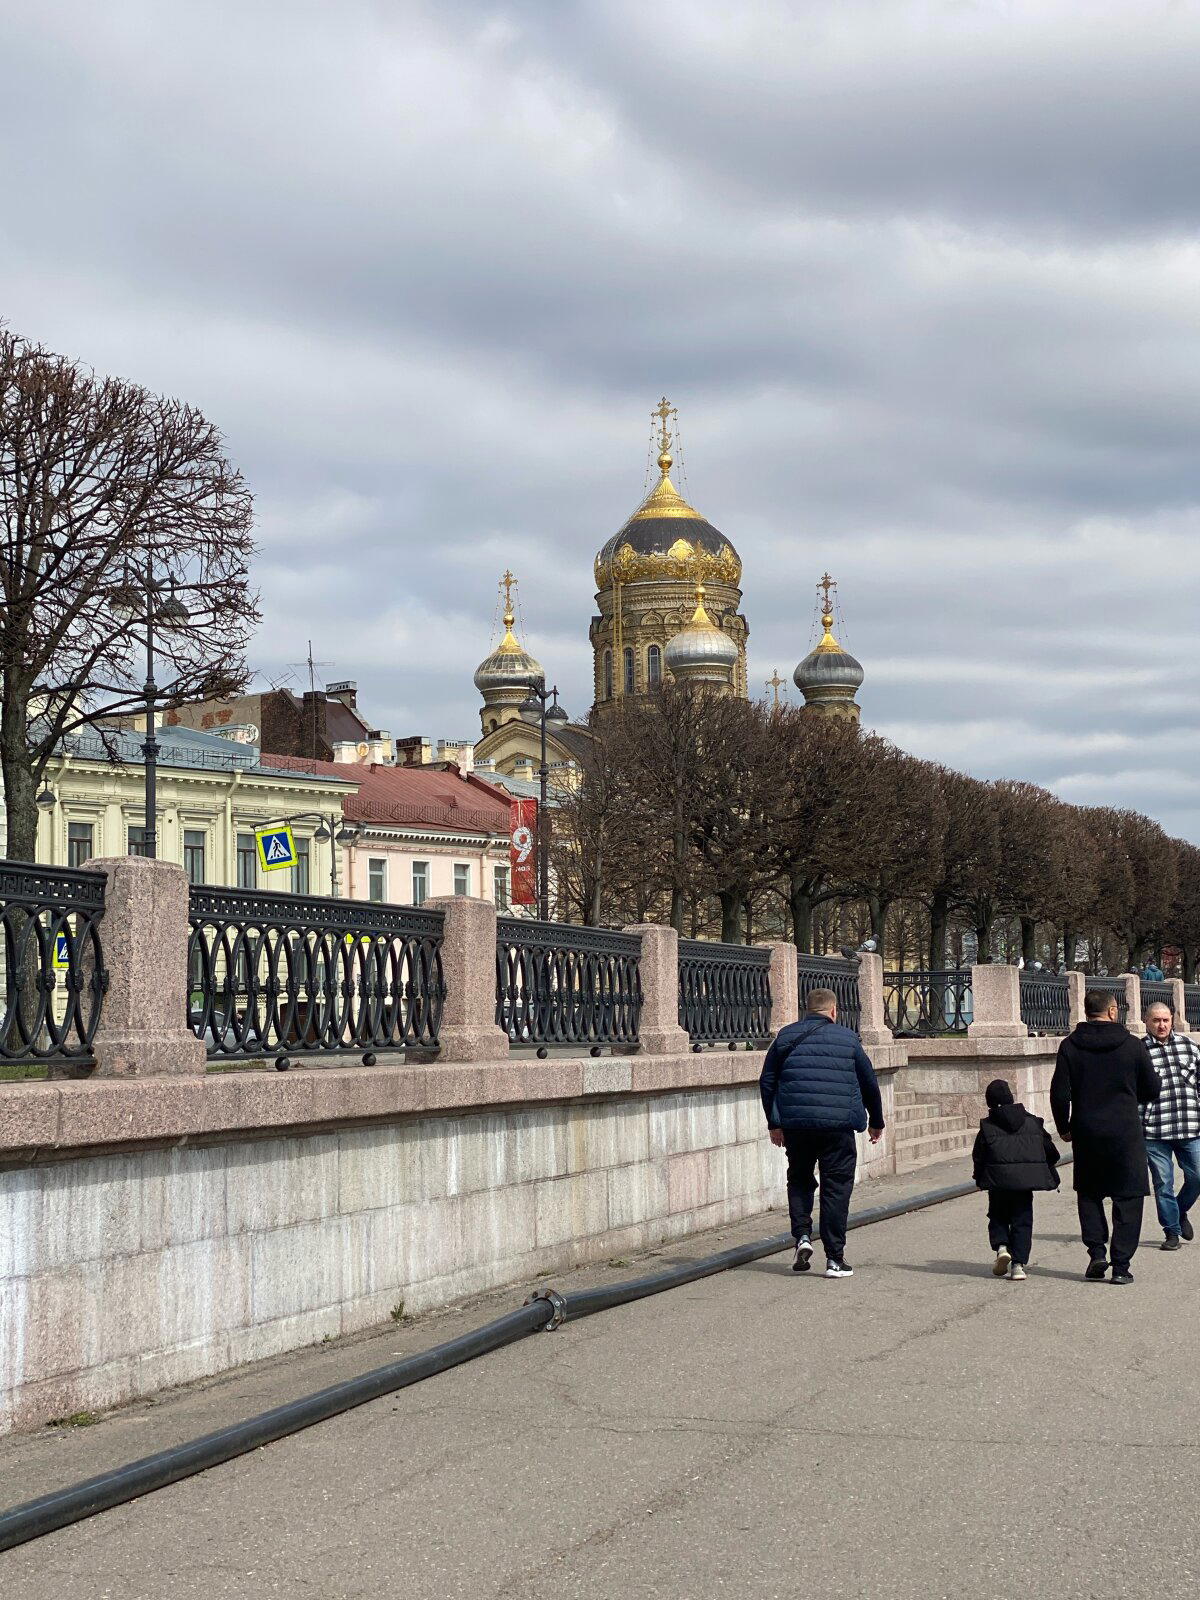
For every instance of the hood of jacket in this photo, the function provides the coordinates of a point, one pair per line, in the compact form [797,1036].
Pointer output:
[1100,1036]
[1011,1117]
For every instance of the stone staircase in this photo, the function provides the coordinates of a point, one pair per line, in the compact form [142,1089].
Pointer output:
[922,1136]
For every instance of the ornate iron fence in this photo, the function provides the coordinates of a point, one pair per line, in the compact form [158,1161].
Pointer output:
[1191,996]
[1158,994]
[920,1003]
[54,976]
[286,974]
[559,984]
[1045,1002]
[1113,986]
[836,973]
[724,992]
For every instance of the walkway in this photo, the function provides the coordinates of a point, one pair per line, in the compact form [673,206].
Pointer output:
[920,1431]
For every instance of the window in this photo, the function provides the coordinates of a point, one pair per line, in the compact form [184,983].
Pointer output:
[79,843]
[629,677]
[302,871]
[654,666]
[194,841]
[462,878]
[139,842]
[420,883]
[247,862]
[608,677]
[500,887]
[377,879]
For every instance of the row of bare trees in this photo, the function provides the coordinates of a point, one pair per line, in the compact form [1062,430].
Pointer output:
[735,820]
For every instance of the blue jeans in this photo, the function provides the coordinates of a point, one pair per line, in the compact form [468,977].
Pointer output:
[1163,1154]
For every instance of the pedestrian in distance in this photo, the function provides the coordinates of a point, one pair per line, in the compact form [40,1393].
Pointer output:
[818,1089]
[1152,972]
[1013,1156]
[1172,1124]
[1102,1078]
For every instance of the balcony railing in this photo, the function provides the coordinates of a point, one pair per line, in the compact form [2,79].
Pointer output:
[926,1003]
[1045,1002]
[557,984]
[283,974]
[836,973]
[724,992]
[54,977]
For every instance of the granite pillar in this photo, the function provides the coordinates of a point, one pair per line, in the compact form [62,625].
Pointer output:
[996,1003]
[785,986]
[660,1033]
[873,1028]
[468,1031]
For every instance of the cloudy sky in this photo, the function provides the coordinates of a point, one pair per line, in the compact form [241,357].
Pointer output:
[922,279]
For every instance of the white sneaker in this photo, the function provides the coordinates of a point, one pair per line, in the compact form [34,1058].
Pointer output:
[838,1269]
[803,1259]
[1016,1273]
[1002,1262]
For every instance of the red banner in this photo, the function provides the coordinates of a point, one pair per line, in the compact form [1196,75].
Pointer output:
[522,854]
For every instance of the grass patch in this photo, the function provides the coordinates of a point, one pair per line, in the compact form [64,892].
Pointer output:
[237,1066]
[15,1071]
[77,1419]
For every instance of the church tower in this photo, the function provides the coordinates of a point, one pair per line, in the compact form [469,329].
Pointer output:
[829,677]
[646,577]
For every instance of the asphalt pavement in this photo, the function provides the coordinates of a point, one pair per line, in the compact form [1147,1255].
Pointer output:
[920,1430]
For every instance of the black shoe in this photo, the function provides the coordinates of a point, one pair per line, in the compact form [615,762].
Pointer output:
[1186,1231]
[838,1269]
[1171,1242]
[1096,1269]
[804,1251]
[1121,1275]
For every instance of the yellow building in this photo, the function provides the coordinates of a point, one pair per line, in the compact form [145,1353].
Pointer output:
[212,794]
[646,577]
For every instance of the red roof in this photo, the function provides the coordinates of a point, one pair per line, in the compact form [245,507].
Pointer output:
[414,795]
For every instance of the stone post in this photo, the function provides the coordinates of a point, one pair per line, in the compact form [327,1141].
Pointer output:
[873,1028]
[659,1033]
[143,1029]
[1133,1003]
[785,985]
[1179,1005]
[468,1031]
[996,1003]
[1076,988]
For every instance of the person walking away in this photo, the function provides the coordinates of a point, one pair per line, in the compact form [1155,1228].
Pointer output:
[1102,1078]
[818,1089]
[1152,972]
[1172,1124]
[1013,1156]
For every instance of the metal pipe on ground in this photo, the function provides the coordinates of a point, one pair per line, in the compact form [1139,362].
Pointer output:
[545,1309]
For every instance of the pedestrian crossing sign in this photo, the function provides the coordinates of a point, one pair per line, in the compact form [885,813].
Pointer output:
[276,848]
[62,960]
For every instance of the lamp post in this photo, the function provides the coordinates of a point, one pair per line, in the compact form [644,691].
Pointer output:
[148,604]
[541,707]
[343,835]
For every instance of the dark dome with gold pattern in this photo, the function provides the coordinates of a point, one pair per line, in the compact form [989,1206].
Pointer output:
[666,538]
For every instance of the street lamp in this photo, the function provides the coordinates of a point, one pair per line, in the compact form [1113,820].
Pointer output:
[325,830]
[145,600]
[540,708]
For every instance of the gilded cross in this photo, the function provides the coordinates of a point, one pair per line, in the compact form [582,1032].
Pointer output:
[826,584]
[775,683]
[664,412]
[508,580]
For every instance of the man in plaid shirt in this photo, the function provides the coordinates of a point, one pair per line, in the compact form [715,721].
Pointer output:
[1172,1124]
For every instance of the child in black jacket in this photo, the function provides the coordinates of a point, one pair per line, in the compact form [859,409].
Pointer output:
[1013,1156]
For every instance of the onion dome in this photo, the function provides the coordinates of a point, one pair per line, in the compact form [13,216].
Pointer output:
[666,538]
[829,676]
[701,653]
[509,666]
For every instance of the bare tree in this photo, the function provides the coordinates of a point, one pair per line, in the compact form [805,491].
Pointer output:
[98,477]
[1183,925]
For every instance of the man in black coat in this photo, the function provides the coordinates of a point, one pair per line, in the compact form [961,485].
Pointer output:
[1102,1077]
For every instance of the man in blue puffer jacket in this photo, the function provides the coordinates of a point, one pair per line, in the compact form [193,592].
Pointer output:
[818,1089]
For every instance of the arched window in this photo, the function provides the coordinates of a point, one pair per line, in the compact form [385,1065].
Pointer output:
[654,666]
[629,676]
[608,677]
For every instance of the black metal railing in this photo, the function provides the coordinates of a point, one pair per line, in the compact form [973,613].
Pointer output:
[1158,994]
[1191,997]
[285,974]
[926,1003]
[724,992]
[836,973]
[1115,987]
[560,984]
[54,976]
[1045,1002]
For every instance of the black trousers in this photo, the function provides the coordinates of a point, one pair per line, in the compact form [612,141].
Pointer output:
[833,1156]
[1010,1222]
[1126,1226]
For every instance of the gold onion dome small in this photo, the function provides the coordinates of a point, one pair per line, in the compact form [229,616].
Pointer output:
[509,664]
[701,651]
[666,538]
